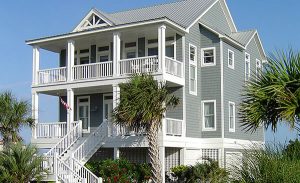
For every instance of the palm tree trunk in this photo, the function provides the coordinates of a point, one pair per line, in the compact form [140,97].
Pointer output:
[154,153]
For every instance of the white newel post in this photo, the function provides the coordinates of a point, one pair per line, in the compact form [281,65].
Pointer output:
[116,153]
[116,52]
[70,114]
[162,47]
[35,112]
[35,65]
[70,59]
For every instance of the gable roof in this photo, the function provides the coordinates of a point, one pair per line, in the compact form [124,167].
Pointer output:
[243,37]
[183,12]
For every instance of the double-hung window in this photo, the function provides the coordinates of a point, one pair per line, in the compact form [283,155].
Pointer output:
[208,57]
[231,117]
[209,115]
[247,67]
[193,69]
[230,59]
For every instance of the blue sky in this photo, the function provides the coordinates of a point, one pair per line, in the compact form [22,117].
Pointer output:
[276,21]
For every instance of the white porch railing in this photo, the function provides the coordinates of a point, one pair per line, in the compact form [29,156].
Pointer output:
[138,65]
[92,71]
[51,130]
[123,131]
[173,127]
[69,139]
[174,67]
[91,142]
[55,75]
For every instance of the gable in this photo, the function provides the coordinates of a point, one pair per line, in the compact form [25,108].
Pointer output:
[94,19]
[217,18]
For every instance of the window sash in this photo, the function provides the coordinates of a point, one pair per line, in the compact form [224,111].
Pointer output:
[209,115]
[231,116]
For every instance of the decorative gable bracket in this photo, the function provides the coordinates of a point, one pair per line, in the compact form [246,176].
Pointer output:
[93,19]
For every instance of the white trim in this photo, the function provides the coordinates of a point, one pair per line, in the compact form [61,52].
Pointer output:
[249,69]
[184,86]
[194,64]
[234,116]
[203,117]
[258,65]
[90,13]
[222,100]
[89,111]
[202,57]
[188,28]
[114,28]
[233,59]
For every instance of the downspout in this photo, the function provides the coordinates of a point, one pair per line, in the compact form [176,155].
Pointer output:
[222,102]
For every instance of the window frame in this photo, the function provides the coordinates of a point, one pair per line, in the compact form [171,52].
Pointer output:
[234,116]
[214,56]
[203,102]
[103,53]
[193,63]
[249,68]
[233,59]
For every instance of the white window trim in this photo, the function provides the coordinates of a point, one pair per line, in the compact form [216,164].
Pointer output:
[193,63]
[233,59]
[154,45]
[103,53]
[249,69]
[234,116]
[89,114]
[215,115]
[202,57]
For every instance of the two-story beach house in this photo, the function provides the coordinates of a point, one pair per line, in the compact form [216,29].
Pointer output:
[192,45]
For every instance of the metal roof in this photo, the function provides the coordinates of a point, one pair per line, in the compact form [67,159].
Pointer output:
[243,37]
[183,12]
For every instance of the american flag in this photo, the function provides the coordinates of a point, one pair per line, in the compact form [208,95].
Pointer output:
[65,104]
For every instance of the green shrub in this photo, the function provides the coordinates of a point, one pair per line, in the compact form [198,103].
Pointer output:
[120,171]
[201,172]
[270,164]
[180,172]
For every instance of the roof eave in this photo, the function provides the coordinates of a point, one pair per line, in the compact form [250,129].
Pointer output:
[116,27]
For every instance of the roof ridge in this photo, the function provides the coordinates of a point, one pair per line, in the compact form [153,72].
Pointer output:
[154,5]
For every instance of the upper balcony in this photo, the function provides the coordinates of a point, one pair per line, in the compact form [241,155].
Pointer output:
[113,56]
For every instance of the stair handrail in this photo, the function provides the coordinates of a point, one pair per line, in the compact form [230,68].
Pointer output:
[60,171]
[91,141]
[67,141]
[83,172]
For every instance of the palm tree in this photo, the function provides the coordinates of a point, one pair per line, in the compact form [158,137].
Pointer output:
[274,96]
[143,102]
[14,114]
[20,163]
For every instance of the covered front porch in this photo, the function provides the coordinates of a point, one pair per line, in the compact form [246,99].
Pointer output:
[89,107]
[153,49]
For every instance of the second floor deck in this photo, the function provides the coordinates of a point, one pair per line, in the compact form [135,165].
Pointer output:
[113,55]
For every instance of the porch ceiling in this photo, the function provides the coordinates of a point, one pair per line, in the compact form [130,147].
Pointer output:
[81,91]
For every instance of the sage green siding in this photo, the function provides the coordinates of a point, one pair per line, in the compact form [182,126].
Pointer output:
[216,18]
[234,81]
[177,112]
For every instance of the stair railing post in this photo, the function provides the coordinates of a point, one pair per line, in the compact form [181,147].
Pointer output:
[99,179]
[80,128]
[55,164]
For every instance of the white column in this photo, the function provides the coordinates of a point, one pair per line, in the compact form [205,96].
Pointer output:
[116,52]
[162,153]
[162,47]
[116,153]
[70,114]
[70,59]
[35,64]
[116,97]
[35,112]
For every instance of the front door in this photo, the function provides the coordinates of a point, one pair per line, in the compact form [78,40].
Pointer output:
[108,107]
[83,114]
